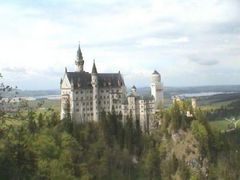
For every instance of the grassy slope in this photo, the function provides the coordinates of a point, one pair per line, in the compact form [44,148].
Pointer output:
[53,104]
[219,125]
[216,102]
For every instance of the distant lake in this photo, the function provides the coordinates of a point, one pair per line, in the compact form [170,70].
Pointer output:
[48,97]
[56,97]
[31,98]
[203,94]
[183,95]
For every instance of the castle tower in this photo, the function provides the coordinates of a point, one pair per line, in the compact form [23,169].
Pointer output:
[94,83]
[79,61]
[134,90]
[194,103]
[157,88]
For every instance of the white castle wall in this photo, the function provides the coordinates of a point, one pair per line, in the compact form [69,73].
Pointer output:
[86,104]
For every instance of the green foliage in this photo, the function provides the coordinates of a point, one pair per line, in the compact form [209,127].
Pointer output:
[176,118]
[151,165]
[40,120]
[32,126]
[200,132]
[37,145]
[184,170]
[17,158]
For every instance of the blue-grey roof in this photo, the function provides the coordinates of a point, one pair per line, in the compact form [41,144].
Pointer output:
[155,72]
[83,79]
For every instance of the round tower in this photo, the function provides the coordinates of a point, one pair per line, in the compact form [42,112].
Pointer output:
[134,90]
[194,103]
[94,83]
[157,88]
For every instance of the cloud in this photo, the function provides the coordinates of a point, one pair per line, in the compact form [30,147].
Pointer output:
[162,41]
[204,61]
[53,72]
[39,38]
[14,70]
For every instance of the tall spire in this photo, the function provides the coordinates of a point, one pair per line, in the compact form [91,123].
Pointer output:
[79,61]
[94,69]
[79,53]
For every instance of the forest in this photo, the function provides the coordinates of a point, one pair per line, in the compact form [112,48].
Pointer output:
[38,145]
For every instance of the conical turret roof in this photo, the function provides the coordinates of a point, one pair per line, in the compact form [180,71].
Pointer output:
[155,72]
[79,54]
[94,69]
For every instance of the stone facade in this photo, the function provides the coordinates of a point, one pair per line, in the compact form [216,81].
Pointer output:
[85,95]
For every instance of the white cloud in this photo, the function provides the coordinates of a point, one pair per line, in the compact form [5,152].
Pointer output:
[132,37]
[162,41]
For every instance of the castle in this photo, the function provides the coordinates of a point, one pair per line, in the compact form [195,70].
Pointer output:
[85,95]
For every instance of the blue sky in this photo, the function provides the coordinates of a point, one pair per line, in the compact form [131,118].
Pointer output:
[190,42]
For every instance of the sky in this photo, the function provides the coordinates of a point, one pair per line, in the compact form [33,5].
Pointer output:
[189,42]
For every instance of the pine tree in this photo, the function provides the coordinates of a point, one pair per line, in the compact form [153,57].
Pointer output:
[152,165]
[138,138]
[40,120]
[129,134]
[32,126]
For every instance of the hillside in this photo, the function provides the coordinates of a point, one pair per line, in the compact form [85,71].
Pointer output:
[37,145]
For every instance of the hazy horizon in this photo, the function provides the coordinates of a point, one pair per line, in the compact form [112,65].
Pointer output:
[142,87]
[190,42]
